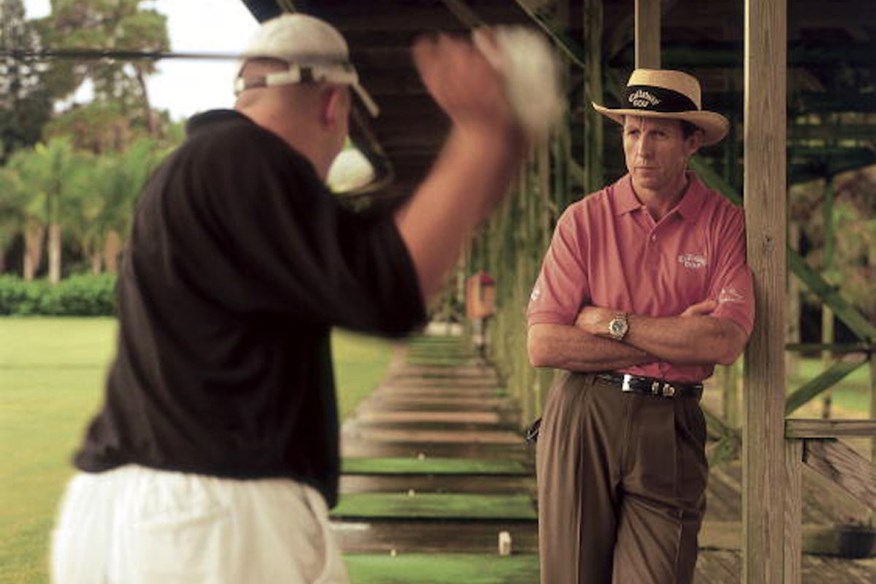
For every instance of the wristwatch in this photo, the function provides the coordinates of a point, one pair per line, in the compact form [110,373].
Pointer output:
[618,326]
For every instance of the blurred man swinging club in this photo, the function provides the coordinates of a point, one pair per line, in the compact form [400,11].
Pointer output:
[214,457]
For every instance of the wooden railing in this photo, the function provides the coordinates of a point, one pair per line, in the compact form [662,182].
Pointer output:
[815,444]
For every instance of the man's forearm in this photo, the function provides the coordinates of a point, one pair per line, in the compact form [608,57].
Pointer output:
[480,157]
[469,178]
[688,340]
[570,348]
[692,338]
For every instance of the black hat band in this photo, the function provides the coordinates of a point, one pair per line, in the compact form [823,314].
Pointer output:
[657,99]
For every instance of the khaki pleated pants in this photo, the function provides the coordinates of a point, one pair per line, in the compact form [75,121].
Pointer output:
[621,485]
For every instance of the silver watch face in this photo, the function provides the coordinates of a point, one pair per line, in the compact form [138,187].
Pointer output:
[617,327]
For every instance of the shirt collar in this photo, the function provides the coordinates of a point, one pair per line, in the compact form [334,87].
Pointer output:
[626,200]
[689,205]
[204,119]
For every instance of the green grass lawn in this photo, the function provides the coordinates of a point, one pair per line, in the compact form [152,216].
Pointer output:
[51,382]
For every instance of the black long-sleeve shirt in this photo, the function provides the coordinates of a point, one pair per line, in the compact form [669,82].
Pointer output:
[239,263]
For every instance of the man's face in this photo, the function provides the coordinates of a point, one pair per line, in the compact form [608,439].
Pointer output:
[657,152]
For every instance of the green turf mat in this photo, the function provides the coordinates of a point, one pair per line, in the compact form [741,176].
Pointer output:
[442,466]
[434,506]
[442,569]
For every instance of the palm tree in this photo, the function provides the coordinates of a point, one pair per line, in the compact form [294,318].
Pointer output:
[51,173]
[26,203]
[99,216]
[13,200]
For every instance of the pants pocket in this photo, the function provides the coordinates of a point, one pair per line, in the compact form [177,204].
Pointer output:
[184,545]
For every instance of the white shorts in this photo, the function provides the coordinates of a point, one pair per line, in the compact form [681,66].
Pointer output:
[135,525]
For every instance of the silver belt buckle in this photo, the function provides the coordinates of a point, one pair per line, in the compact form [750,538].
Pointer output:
[625,384]
[669,390]
[655,388]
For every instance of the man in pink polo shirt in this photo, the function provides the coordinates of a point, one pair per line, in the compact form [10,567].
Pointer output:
[644,288]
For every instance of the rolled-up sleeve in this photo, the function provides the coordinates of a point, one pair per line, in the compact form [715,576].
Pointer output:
[732,284]
[562,286]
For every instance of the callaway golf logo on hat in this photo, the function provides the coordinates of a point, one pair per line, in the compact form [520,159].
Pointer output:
[663,93]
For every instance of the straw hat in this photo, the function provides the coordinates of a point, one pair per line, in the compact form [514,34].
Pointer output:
[663,93]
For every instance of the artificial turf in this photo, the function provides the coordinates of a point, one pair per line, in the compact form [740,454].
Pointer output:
[442,569]
[443,506]
[433,466]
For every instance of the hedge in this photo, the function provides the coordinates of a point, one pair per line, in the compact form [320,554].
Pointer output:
[80,295]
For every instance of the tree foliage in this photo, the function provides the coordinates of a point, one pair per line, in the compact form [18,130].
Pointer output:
[87,199]
[104,24]
[852,263]
[25,102]
[74,174]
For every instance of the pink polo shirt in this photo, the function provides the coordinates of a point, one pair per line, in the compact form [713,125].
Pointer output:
[608,251]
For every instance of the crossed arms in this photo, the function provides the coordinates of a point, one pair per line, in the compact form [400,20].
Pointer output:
[691,338]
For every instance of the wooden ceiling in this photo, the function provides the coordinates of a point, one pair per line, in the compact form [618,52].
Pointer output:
[831,51]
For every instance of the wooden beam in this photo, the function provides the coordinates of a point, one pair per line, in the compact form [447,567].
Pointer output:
[464,13]
[818,540]
[564,39]
[850,132]
[763,447]
[793,554]
[625,28]
[647,33]
[830,295]
[415,18]
[726,54]
[812,428]
[844,466]
[872,376]
[594,134]
[835,348]
[808,163]
[824,381]
[805,14]
[824,102]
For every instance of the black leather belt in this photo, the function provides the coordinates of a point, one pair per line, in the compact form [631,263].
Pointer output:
[651,385]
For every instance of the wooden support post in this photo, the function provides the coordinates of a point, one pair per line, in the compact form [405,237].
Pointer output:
[826,313]
[793,511]
[593,91]
[872,359]
[792,358]
[873,402]
[647,34]
[763,448]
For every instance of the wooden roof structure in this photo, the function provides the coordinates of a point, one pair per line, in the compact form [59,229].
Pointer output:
[831,60]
